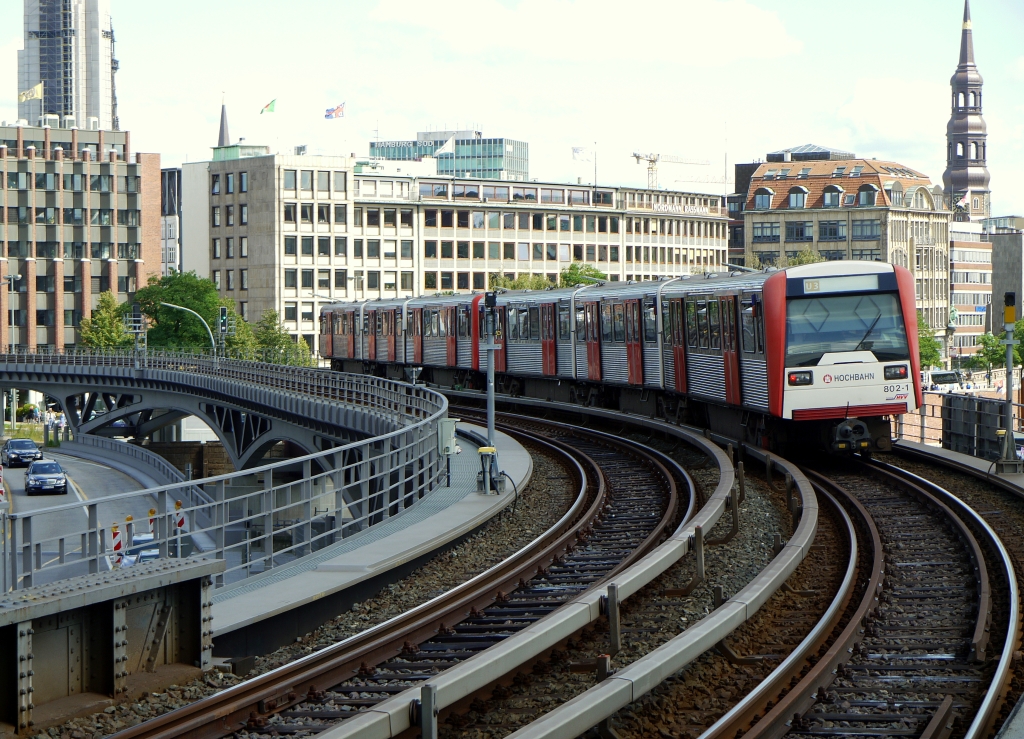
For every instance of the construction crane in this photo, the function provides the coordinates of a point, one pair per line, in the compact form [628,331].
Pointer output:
[652,164]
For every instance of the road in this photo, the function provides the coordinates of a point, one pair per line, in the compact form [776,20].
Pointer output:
[89,483]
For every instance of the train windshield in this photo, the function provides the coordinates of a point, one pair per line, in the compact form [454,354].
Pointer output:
[844,323]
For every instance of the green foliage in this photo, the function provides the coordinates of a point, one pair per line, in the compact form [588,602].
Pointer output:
[806,256]
[273,342]
[752,261]
[105,328]
[929,348]
[26,411]
[991,353]
[524,281]
[580,273]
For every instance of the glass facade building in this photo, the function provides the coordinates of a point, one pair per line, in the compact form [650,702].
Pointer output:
[462,154]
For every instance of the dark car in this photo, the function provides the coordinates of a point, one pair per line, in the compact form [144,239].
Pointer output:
[46,477]
[19,451]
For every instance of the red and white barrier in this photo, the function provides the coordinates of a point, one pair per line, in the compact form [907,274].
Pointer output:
[117,545]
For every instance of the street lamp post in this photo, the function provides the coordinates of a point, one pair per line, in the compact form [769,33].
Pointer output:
[213,344]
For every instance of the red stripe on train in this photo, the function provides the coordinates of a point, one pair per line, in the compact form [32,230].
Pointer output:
[852,411]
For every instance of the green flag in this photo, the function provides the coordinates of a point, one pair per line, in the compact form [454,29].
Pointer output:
[269,107]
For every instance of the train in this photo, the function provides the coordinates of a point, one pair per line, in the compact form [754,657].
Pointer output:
[817,356]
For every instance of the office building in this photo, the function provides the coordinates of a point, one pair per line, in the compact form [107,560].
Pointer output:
[69,48]
[1007,271]
[293,233]
[462,154]
[853,209]
[970,285]
[966,180]
[170,221]
[1000,224]
[80,216]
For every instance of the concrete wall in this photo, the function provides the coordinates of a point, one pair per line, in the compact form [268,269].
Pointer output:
[195,218]
[1007,270]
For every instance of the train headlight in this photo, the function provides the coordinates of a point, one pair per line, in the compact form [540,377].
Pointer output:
[801,378]
[896,372]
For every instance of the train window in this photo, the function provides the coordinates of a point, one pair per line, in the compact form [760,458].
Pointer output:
[435,324]
[380,323]
[650,322]
[534,323]
[366,324]
[463,323]
[749,330]
[581,324]
[691,324]
[513,323]
[606,323]
[563,322]
[714,327]
[678,327]
[398,323]
[618,323]
[728,326]
[702,324]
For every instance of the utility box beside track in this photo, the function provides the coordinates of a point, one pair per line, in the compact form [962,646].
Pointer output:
[79,644]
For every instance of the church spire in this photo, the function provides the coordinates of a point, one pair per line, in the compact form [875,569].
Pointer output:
[966,39]
[224,139]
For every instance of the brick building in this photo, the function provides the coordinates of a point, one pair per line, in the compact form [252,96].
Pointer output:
[80,215]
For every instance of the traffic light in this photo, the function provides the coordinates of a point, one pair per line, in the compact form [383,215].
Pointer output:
[223,320]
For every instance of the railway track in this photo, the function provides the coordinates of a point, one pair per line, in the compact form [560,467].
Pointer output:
[628,497]
[927,641]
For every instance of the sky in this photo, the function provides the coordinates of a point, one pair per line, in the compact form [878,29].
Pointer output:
[707,80]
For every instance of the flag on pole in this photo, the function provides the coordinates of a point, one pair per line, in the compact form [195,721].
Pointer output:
[447,148]
[269,107]
[581,154]
[32,93]
[338,112]
[962,202]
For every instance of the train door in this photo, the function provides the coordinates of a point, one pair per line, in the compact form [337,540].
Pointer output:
[417,335]
[371,336]
[389,331]
[547,338]
[678,337]
[326,324]
[451,336]
[592,313]
[350,327]
[499,339]
[730,353]
[634,347]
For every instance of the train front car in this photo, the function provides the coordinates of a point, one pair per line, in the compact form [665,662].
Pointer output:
[843,355]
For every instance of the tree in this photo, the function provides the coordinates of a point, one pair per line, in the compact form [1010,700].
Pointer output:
[806,256]
[105,328]
[580,273]
[752,261]
[273,342]
[929,348]
[176,329]
[991,351]
[524,281]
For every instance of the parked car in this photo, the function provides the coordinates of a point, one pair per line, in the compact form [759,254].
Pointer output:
[19,451]
[47,477]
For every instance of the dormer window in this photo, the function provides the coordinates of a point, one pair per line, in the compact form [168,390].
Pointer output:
[866,195]
[804,173]
[838,172]
[798,197]
[783,174]
[763,198]
[833,196]
[856,171]
[770,174]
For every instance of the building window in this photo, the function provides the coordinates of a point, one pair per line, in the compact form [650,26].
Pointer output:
[373,248]
[373,280]
[462,280]
[341,246]
[390,217]
[357,249]
[216,248]
[214,215]
[323,279]
[243,184]
[243,246]
[340,182]
[406,280]
[763,199]
[866,229]
[289,179]
[291,278]
[323,246]
[230,183]
[216,278]
[243,214]
[323,182]
[289,212]
[340,279]
[323,212]
[429,279]
[230,215]
[799,231]
[306,179]
[215,184]
[291,312]
[307,246]
[306,213]
[866,195]
[764,231]
[357,217]
[406,252]
[832,231]
[339,214]
[230,248]
[797,198]
[307,279]
[243,279]
[373,217]
[290,246]
[230,274]
[446,281]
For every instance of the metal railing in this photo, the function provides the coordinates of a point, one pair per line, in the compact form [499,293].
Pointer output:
[257,519]
[961,422]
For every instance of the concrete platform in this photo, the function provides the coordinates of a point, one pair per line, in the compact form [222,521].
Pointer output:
[268,611]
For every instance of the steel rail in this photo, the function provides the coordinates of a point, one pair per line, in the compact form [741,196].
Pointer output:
[229,711]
